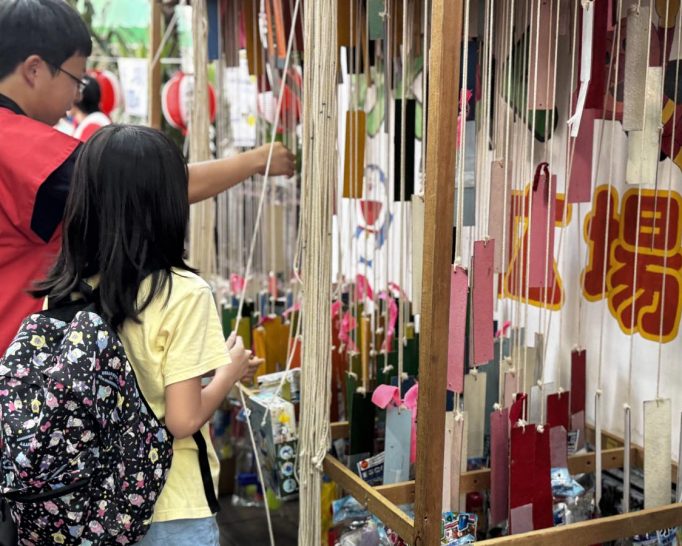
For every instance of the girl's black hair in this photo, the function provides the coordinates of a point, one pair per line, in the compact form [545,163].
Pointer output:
[49,28]
[126,218]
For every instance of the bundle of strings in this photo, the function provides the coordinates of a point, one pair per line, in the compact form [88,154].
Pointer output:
[319,181]
[202,253]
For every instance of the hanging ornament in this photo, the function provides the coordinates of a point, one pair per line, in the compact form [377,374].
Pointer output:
[110,90]
[176,100]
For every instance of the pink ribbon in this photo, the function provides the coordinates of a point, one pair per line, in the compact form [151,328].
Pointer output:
[385,395]
[463,108]
[397,291]
[503,331]
[295,307]
[236,283]
[362,288]
[392,319]
[348,323]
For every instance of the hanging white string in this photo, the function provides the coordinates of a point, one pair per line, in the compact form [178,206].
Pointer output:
[482,138]
[319,176]
[549,158]
[585,66]
[462,146]
[355,250]
[615,57]
[266,176]
[249,262]
[403,220]
[531,196]
[425,80]
[568,170]
[387,203]
[522,174]
[549,252]
[669,199]
[507,128]
[633,313]
[627,407]
[166,36]
[598,393]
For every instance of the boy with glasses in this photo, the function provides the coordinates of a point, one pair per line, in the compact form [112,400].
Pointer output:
[44,46]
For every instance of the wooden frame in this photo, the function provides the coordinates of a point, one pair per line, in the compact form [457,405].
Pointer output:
[426,490]
[154,92]
[384,500]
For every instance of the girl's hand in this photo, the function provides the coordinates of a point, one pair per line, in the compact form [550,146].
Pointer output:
[238,355]
[235,346]
[253,364]
[231,340]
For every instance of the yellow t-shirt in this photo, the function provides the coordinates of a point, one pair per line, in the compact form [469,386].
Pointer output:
[176,340]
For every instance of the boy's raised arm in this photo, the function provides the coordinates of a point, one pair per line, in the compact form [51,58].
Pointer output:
[209,178]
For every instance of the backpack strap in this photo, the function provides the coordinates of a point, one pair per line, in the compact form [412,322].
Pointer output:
[65,310]
[205,468]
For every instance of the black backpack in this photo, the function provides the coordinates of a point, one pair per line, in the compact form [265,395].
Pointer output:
[83,458]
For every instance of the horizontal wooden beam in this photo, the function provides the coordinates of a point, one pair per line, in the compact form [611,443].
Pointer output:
[637,451]
[340,430]
[398,493]
[479,480]
[596,531]
[585,462]
[375,502]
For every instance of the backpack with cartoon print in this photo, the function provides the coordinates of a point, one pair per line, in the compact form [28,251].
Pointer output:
[82,456]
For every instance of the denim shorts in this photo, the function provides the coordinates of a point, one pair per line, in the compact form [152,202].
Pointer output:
[183,532]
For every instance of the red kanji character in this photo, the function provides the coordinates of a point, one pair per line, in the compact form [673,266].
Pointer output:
[604,206]
[636,293]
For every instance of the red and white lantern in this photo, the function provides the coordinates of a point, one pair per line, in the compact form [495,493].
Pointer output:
[110,90]
[176,101]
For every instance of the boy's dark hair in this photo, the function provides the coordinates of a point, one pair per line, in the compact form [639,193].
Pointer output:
[49,28]
[90,96]
[126,218]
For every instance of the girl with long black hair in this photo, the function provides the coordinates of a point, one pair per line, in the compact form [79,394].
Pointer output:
[124,230]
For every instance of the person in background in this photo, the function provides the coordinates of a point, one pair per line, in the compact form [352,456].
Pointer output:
[86,114]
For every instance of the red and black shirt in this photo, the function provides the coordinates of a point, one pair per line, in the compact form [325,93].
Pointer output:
[36,164]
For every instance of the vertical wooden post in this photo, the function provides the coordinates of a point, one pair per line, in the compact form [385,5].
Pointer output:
[446,36]
[154,91]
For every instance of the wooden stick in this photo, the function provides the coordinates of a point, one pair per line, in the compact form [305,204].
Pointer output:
[596,531]
[375,502]
[446,34]
[154,92]
[340,429]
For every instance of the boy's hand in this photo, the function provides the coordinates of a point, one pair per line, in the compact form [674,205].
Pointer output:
[283,162]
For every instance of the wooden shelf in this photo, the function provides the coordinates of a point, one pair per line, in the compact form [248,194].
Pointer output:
[369,497]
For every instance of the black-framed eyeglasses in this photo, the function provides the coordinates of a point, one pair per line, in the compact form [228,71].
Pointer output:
[81,83]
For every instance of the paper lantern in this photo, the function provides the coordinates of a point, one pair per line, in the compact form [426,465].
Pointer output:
[176,101]
[110,90]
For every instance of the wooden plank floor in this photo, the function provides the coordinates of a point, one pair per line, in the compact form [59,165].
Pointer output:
[240,526]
